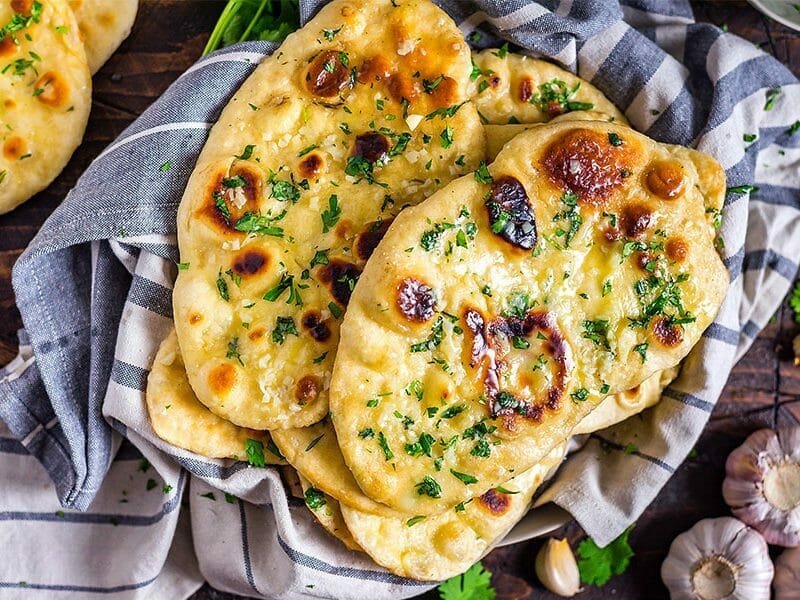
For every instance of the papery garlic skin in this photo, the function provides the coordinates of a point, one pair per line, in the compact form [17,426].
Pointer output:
[718,559]
[787,575]
[762,484]
[557,569]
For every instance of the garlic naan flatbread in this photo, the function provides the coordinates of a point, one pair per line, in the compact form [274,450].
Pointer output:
[513,88]
[328,513]
[495,316]
[45,95]
[358,114]
[615,409]
[103,25]
[439,547]
[179,418]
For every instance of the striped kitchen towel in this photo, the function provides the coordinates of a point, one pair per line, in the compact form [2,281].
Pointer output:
[94,290]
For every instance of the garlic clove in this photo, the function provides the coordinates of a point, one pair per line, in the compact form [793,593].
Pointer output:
[718,559]
[787,575]
[762,484]
[557,569]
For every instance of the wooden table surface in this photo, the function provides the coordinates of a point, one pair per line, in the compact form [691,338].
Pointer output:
[763,391]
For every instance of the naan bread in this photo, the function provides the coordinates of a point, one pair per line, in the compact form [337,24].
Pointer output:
[513,88]
[615,409]
[328,513]
[474,353]
[45,95]
[180,419]
[314,452]
[359,114]
[439,547]
[103,25]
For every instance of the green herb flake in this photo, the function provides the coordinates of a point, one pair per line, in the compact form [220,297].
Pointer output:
[614,139]
[254,450]
[331,216]
[429,487]
[414,520]
[482,174]
[435,338]
[465,478]
[314,498]
[641,350]
[314,442]
[596,565]
[772,96]
[284,326]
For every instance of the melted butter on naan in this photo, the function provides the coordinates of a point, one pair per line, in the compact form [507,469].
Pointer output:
[45,96]
[358,114]
[470,360]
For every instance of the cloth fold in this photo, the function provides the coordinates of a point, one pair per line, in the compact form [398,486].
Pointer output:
[94,290]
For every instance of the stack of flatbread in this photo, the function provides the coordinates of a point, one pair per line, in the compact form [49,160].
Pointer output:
[48,51]
[413,273]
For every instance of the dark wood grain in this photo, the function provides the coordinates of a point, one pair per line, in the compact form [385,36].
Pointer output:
[763,390]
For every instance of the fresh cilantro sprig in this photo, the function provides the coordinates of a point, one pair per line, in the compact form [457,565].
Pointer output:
[596,565]
[244,20]
[794,302]
[474,584]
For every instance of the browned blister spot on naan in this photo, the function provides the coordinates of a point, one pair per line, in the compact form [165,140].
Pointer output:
[584,162]
[307,389]
[222,198]
[14,148]
[677,249]
[665,179]
[496,503]
[9,103]
[375,68]
[7,47]
[525,89]
[251,262]
[195,318]
[339,277]
[635,219]
[645,260]
[107,19]
[257,334]
[445,93]
[221,379]
[23,7]
[371,146]
[415,300]
[52,89]
[311,166]
[327,77]
[667,333]
[509,200]
[403,87]
[368,240]
[631,393]
[312,322]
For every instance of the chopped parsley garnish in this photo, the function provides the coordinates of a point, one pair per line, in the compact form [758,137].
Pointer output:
[285,192]
[254,450]
[422,446]
[233,350]
[482,449]
[19,22]
[607,287]
[614,139]
[286,283]
[387,452]
[641,350]
[482,174]
[772,95]
[366,434]
[358,166]
[414,520]
[336,311]
[331,215]
[415,389]
[749,137]
[320,258]
[246,153]
[329,34]
[657,294]
[315,498]
[314,442]
[579,395]
[233,182]
[429,487]
[222,206]
[284,326]
[519,303]
[605,388]
[429,86]
[465,478]
[572,215]
[520,343]
[307,149]
[554,97]
[793,129]
[597,332]
[452,411]
[741,189]
[447,137]
[222,287]
[433,340]
[502,52]
[252,222]
[430,238]
[443,113]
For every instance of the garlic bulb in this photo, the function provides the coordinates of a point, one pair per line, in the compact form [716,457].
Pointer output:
[556,568]
[718,559]
[787,575]
[762,484]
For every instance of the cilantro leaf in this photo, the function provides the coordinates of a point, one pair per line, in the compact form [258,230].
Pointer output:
[597,565]
[794,302]
[474,584]
[243,20]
